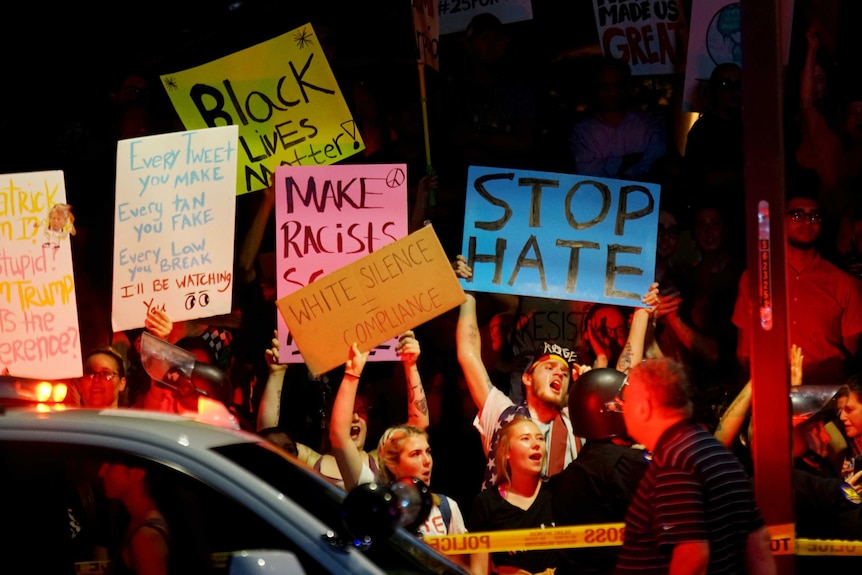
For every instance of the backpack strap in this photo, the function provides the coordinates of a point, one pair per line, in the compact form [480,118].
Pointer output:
[445,510]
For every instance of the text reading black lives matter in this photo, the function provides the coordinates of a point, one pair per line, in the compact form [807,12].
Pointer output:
[223,105]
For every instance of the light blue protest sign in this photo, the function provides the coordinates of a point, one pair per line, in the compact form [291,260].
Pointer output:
[560,236]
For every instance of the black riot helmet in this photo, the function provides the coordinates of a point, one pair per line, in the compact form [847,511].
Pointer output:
[812,401]
[593,406]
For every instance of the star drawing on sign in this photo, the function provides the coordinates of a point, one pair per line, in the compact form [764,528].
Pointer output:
[303,38]
[171,83]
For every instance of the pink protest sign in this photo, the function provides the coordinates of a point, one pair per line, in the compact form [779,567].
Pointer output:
[329,216]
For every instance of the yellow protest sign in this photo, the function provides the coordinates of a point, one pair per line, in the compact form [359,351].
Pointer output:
[283,96]
[391,290]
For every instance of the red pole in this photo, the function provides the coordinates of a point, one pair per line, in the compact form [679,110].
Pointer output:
[763,99]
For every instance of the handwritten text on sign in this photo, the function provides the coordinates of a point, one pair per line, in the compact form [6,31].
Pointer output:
[396,288]
[38,309]
[645,34]
[426,28]
[329,216]
[559,235]
[173,226]
[284,98]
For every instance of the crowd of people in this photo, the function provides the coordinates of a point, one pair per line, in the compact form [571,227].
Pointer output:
[534,407]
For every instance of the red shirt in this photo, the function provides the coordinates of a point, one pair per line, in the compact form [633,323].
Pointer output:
[825,305]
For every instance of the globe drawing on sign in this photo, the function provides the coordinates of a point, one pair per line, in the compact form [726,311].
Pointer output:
[724,36]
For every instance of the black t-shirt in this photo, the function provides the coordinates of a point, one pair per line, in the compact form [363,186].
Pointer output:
[595,488]
[490,512]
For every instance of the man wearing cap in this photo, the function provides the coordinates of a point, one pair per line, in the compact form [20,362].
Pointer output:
[546,386]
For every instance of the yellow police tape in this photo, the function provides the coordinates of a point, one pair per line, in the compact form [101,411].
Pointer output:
[568,537]
[782,539]
[820,547]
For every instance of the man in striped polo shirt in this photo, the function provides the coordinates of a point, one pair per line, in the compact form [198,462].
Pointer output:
[694,509]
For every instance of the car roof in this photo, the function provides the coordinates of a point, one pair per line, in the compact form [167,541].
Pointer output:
[151,427]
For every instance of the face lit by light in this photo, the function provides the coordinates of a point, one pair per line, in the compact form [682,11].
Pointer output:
[527,449]
[415,459]
[851,416]
[549,381]
[97,391]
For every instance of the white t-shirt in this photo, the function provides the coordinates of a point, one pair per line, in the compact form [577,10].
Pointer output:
[488,420]
[434,524]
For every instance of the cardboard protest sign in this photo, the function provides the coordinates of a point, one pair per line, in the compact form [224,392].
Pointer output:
[396,288]
[426,28]
[329,216]
[39,335]
[174,226]
[284,98]
[648,36]
[456,14]
[559,235]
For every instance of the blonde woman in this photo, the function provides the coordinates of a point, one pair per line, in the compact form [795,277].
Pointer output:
[519,499]
[403,451]
[357,416]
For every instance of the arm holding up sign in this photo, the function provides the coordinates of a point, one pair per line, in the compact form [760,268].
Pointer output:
[346,431]
[254,236]
[270,401]
[469,343]
[633,352]
[346,453]
[417,406]
[268,414]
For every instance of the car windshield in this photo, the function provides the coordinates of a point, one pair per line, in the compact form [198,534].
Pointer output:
[398,553]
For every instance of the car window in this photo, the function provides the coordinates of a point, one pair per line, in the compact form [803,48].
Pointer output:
[58,512]
[400,553]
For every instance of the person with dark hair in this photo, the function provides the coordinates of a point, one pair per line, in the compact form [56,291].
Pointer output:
[281,438]
[694,326]
[615,140]
[605,332]
[354,427]
[490,108]
[598,486]
[546,383]
[104,379]
[694,509]
[825,302]
[826,506]
[850,412]
[712,164]
[182,382]
[146,547]
[520,499]
[403,450]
